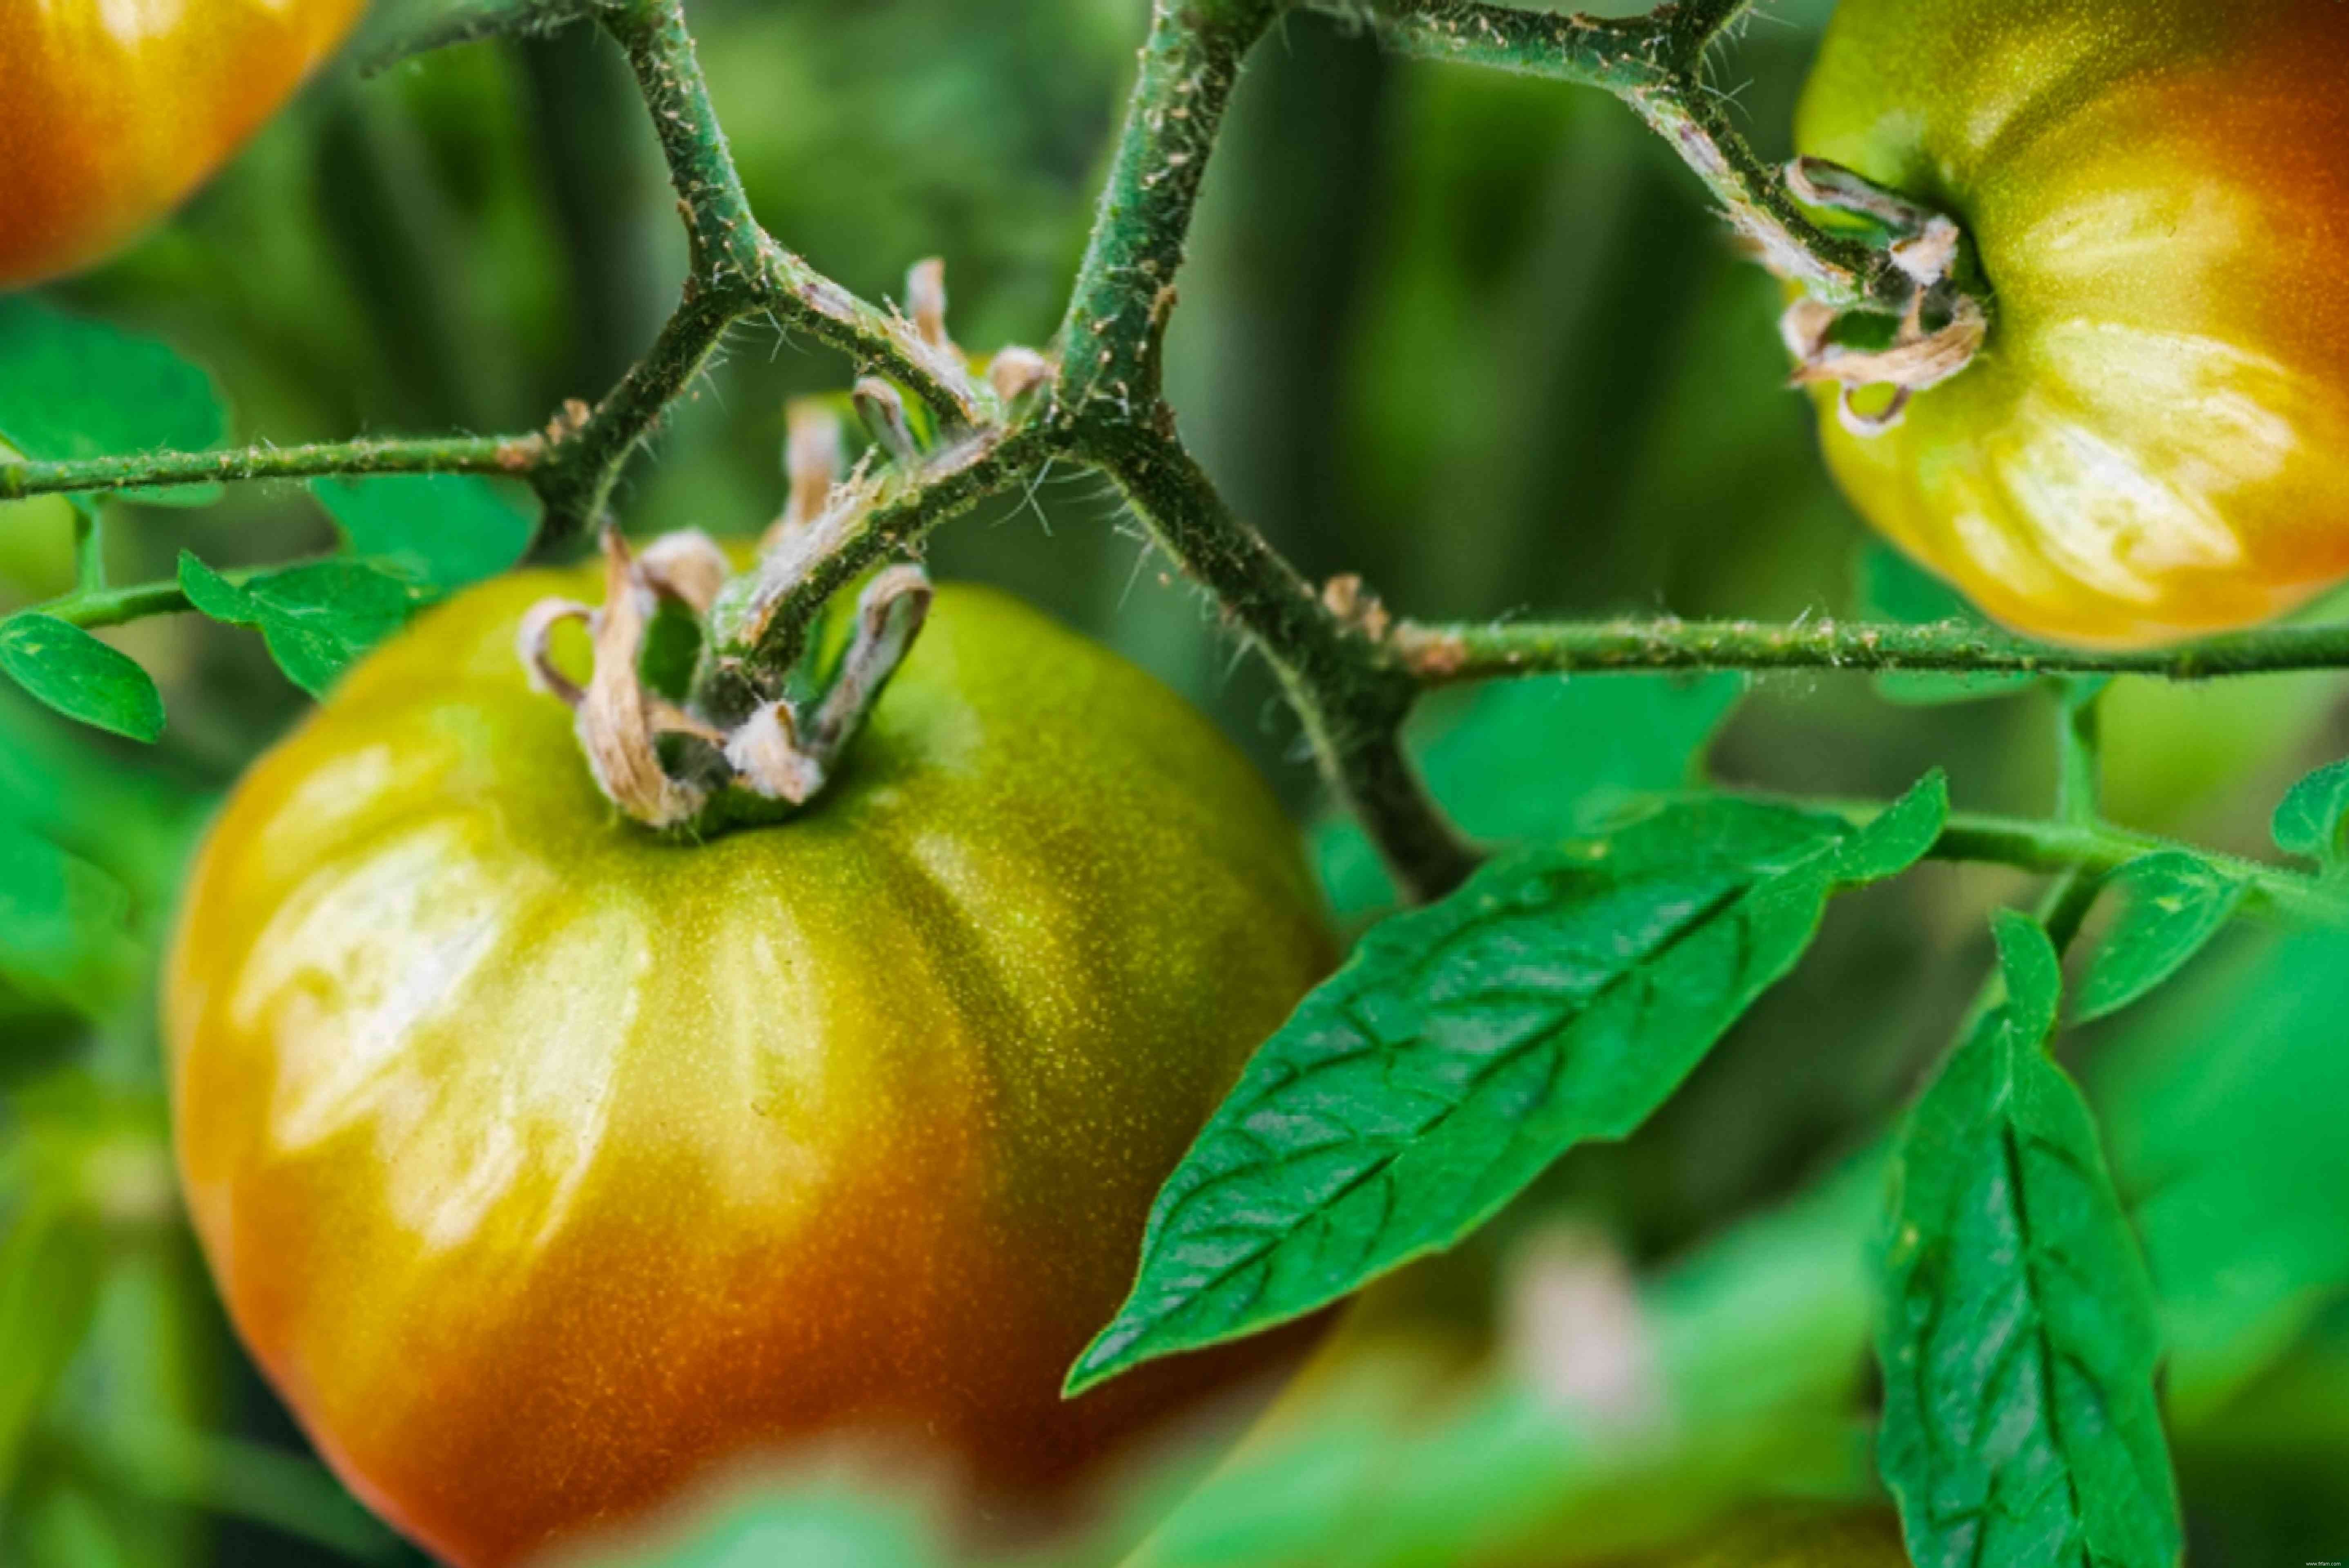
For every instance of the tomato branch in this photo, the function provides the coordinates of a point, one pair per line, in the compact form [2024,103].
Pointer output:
[1124,290]
[2097,850]
[1349,694]
[955,482]
[1446,655]
[514,455]
[1655,64]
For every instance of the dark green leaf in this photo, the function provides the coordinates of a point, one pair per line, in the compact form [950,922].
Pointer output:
[1545,759]
[79,676]
[1560,997]
[318,618]
[72,388]
[1893,587]
[2312,817]
[2019,1344]
[2173,904]
[440,530]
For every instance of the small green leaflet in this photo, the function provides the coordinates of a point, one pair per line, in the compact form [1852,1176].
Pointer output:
[318,618]
[2019,1345]
[1545,758]
[2174,903]
[72,388]
[1560,997]
[79,676]
[2313,820]
[441,531]
[1894,588]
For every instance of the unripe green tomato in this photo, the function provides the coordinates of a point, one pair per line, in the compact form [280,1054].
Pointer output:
[544,1164]
[112,110]
[2154,439]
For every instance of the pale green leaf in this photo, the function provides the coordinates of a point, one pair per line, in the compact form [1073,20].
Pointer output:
[441,530]
[72,388]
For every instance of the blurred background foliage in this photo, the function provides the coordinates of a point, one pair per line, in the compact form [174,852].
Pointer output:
[1473,336]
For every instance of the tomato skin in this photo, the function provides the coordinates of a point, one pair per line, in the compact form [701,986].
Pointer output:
[2155,442]
[112,111]
[543,1164]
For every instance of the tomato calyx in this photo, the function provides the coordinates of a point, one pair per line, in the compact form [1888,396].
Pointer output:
[1937,331]
[682,723]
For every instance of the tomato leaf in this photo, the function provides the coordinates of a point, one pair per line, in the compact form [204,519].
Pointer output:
[73,387]
[2313,820]
[1544,759]
[1560,997]
[2174,903]
[80,677]
[2019,1343]
[318,618]
[1893,587]
[439,530]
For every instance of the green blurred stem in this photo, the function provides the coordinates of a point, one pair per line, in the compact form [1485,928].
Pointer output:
[1656,65]
[2079,754]
[89,549]
[1448,655]
[2094,851]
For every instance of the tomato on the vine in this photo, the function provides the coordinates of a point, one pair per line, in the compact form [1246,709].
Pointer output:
[543,1163]
[113,110]
[2154,440]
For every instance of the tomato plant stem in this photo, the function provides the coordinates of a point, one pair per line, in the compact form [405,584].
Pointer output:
[1352,676]
[1450,655]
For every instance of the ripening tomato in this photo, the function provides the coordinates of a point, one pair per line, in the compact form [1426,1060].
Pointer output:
[2154,439]
[543,1163]
[113,110]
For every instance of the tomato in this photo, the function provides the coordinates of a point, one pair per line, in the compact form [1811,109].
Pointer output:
[543,1163]
[2154,439]
[113,110]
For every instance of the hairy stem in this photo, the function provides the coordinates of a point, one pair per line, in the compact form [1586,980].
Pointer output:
[896,528]
[515,455]
[1350,698]
[1445,655]
[1125,291]
[1655,64]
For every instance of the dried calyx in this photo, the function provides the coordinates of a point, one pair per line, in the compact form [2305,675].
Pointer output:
[1937,333]
[684,725]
